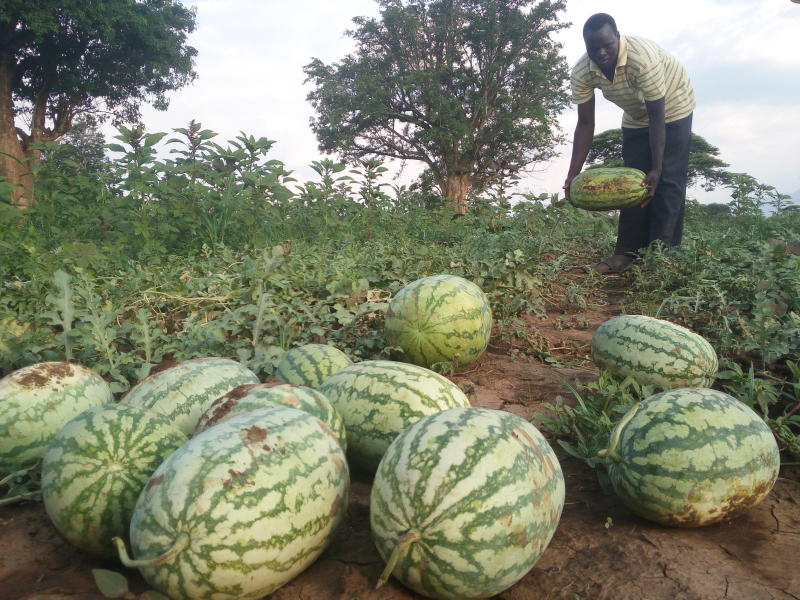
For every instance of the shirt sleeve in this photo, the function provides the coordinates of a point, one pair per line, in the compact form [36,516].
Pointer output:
[651,80]
[582,89]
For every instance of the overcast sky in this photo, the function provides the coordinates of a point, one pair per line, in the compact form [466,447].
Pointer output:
[743,57]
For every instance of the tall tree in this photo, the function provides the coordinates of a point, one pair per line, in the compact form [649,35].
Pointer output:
[471,88]
[61,58]
[705,166]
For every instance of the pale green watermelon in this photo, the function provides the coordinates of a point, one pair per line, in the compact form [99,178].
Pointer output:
[691,456]
[263,395]
[95,468]
[38,400]
[311,364]
[183,392]
[378,399]
[241,508]
[464,502]
[654,352]
[440,319]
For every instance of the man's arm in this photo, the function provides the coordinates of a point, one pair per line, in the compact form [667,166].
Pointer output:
[657,130]
[582,141]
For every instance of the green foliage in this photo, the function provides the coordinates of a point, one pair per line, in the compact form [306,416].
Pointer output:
[470,87]
[82,55]
[583,425]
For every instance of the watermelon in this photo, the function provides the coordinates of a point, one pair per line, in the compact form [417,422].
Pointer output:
[311,364]
[260,395]
[440,319]
[241,508]
[464,502]
[654,352]
[690,457]
[184,391]
[380,398]
[38,400]
[607,188]
[95,467]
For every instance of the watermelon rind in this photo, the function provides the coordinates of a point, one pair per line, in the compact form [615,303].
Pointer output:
[241,508]
[248,397]
[95,468]
[464,503]
[607,188]
[691,457]
[654,352]
[183,392]
[439,319]
[378,399]
[311,364]
[36,401]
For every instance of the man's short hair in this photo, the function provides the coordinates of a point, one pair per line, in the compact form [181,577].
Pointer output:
[595,22]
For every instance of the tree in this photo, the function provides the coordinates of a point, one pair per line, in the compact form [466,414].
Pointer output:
[704,165]
[63,58]
[471,88]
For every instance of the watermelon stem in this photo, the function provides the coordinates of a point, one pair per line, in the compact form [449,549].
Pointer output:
[399,552]
[181,542]
[19,498]
[611,451]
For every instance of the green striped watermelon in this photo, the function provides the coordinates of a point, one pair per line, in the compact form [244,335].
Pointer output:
[380,398]
[690,457]
[311,364]
[654,352]
[248,397]
[440,319]
[241,508]
[96,466]
[464,502]
[38,400]
[607,188]
[184,391]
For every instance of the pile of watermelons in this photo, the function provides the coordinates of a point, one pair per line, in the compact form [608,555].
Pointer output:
[214,484]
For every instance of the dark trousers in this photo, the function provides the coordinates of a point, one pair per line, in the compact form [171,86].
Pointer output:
[662,218]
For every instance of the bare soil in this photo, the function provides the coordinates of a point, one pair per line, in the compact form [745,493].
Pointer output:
[600,551]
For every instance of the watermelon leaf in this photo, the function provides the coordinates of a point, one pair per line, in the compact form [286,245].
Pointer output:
[110,583]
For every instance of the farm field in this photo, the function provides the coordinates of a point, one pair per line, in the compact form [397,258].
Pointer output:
[600,550]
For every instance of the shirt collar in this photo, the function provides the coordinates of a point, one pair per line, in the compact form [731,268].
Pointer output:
[622,57]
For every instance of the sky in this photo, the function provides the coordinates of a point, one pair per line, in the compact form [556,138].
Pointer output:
[742,56]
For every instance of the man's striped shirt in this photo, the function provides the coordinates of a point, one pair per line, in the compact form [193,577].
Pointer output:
[643,72]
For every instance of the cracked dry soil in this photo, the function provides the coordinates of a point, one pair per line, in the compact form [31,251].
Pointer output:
[600,550]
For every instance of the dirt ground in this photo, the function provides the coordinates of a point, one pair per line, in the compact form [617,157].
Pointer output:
[600,550]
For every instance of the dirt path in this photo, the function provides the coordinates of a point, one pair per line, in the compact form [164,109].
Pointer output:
[600,550]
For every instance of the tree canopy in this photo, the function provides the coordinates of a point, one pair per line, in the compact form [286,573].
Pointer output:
[705,166]
[62,58]
[471,88]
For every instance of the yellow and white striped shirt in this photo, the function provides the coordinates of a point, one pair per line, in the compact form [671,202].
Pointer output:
[643,72]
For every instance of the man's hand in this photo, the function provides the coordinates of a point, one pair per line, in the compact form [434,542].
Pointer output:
[650,182]
[566,185]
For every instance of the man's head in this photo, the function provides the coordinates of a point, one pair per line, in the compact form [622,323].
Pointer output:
[602,40]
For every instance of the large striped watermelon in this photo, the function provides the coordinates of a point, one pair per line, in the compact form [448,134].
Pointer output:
[241,508]
[311,364]
[184,391]
[440,319]
[262,395]
[464,502]
[380,398]
[38,400]
[95,468]
[654,352]
[607,188]
[690,457]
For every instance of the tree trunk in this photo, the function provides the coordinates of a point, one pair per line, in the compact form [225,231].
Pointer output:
[14,164]
[456,189]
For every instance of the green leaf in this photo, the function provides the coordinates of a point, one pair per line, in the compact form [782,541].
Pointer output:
[110,583]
